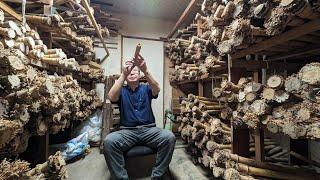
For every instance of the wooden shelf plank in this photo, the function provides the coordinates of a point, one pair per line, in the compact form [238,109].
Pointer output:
[279,39]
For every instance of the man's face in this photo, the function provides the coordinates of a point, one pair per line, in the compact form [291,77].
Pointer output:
[134,76]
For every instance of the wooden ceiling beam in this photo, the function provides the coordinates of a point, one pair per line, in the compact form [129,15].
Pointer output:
[10,11]
[183,17]
[279,39]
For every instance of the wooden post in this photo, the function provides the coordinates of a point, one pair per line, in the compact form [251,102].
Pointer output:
[106,112]
[199,29]
[240,137]
[200,88]
[258,133]
[44,140]
[47,9]
[229,67]
[259,144]
[200,83]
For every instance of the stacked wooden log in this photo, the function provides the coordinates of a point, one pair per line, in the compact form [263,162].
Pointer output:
[187,32]
[54,168]
[75,41]
[106,20]
[203,133]
[17,36]
[233,25]
[274,153]
[288,105]
[82,23]
[209,142]
[33,102]
[191,60]
[187,72]
[185,51]
[226,165]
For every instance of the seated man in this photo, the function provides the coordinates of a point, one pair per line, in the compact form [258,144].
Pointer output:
[137,122]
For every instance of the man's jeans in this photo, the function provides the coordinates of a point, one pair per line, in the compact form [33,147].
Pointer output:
[120,141]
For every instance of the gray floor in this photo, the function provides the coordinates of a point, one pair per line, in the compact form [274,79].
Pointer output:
[93,167]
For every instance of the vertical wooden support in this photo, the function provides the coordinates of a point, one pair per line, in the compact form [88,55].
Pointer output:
[200,88]
[106,111]
[259,144]
[264,72]
[240,136]
[199,29]
[229,67]
[44,140]
[199,33]
[48,8]
[258,133]
[121,55]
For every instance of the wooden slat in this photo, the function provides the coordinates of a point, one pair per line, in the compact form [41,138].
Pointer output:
[182,17]
[259,144]
[93,20]
[47,8]
[200,88]
[10,11]
[279,39]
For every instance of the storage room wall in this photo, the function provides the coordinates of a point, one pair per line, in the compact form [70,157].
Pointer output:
[152,51]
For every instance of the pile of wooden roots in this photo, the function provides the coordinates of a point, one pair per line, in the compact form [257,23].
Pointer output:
[228,26]
[54,168]
[191,59]
[33,102]
[209,142]
[15,35]
[235,24]
[289,105]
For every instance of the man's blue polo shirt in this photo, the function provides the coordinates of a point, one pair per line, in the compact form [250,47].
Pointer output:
[135,106]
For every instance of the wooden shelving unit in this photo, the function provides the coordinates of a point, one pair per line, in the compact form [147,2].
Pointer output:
[296,42]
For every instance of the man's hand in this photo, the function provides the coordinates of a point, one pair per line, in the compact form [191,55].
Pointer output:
[141,63]
[128,66]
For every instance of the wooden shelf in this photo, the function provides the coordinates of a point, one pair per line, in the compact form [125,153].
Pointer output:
[79,76]
[264,127]
[287,37]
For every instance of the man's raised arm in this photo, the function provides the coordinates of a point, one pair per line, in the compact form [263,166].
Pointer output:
[115,90]
[152,82]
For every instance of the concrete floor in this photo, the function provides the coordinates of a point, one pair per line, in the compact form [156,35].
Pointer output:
[91,167]
[94,167]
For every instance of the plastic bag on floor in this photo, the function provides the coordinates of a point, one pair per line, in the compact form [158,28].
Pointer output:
[92,126]
[73,147]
